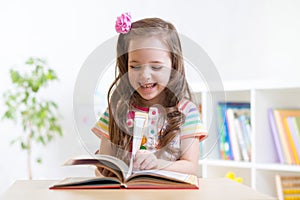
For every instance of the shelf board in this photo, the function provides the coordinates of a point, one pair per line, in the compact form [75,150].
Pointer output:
[278,167]
[243,164]
[226,163]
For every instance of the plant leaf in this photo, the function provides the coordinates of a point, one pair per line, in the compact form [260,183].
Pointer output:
[39,160]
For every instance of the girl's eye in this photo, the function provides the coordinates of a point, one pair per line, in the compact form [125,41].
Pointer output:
[135,67]
[157,67]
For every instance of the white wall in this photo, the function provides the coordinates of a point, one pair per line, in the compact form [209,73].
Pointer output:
[248,40]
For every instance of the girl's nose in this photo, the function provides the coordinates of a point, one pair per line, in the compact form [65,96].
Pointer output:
[146,72]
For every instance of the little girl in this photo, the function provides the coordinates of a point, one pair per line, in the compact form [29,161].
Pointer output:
[151,79]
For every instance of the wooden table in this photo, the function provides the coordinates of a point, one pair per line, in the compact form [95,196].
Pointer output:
[210,188]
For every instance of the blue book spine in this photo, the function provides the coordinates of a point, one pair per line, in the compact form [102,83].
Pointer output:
[223,125]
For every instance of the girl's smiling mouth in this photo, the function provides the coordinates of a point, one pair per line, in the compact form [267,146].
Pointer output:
[147,85]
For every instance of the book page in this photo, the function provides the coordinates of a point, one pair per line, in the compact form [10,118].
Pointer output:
[86,182]
[122,165]
[170,175]
[111,163]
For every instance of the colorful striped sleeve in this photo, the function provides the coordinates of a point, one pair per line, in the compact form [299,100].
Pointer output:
[101,127]
[192,126]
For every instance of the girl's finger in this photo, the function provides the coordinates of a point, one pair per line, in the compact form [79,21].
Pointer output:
[97,172]
[144,164]
[105,172]
[108,173]
[148,163]
[138,160]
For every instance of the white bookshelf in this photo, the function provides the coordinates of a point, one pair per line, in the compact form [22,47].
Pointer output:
[260,172]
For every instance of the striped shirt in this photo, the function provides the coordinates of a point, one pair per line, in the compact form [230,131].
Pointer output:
[191,128]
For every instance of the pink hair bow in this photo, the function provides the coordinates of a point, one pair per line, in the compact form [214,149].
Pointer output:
[123,23]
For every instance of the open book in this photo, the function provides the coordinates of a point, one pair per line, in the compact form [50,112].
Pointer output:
[146,179]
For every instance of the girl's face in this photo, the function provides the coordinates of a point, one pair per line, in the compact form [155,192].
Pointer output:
[149,68]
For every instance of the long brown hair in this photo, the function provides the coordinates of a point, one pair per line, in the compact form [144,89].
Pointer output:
[121,95]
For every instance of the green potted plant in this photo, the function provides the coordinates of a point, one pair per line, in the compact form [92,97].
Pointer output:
[24,106]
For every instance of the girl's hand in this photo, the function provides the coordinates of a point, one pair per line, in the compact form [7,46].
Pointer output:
[100,171]
[145,160]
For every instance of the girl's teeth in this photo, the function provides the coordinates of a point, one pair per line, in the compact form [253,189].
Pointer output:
[148,85]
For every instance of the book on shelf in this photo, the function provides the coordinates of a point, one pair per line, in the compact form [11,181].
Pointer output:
[234,130]
[233,135]
[224,142]
[276,138]
[297,119]
[124,177]
[287,147]
[241,133]
[291,127]
[245,123]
